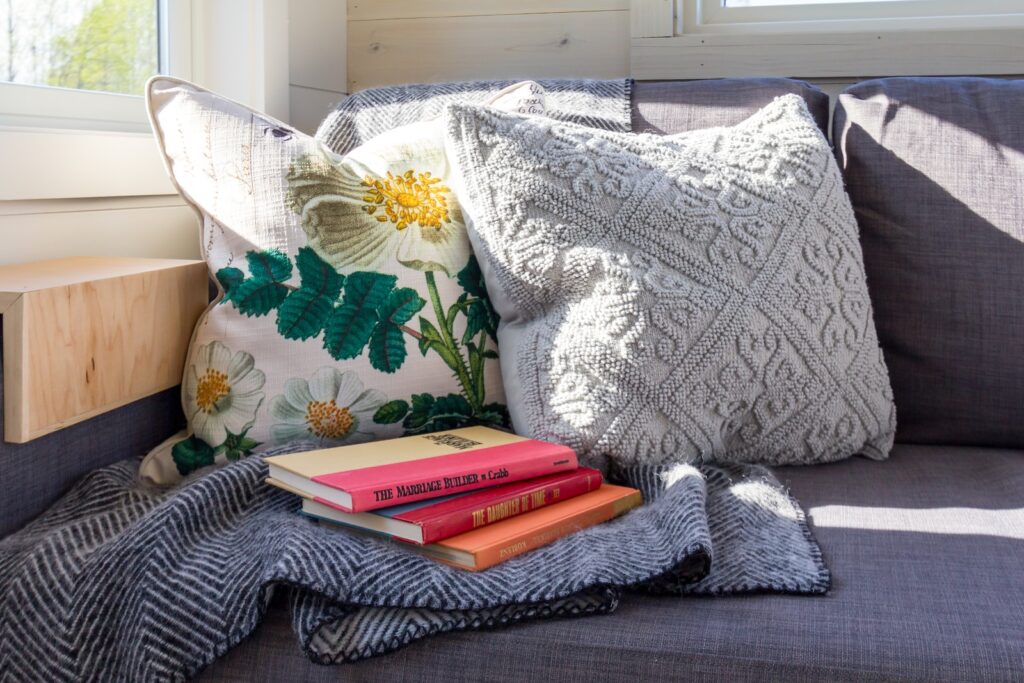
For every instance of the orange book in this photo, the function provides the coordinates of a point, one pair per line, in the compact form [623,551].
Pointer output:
[490,545]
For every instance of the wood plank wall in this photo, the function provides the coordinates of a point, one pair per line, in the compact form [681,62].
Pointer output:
[414,41]
[316,60]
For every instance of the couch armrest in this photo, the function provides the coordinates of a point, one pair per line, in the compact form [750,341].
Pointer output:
[35,474]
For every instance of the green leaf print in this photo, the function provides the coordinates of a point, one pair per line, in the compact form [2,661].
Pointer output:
[471,278]
[391,412]
[430,338]
[348,331]
[270,265]
[258,297]
[317,274]
[401,305]
[229,278]
[430,414]
[495,414]
[480,315]
[368,290]
[387,347]
[350,326]
[304,313]
[419,415]
[191,454]
[238,445]
[387,343]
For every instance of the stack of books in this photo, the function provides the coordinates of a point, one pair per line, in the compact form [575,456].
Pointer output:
[471,497]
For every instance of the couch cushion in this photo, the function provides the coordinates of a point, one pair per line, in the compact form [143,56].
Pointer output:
[935,170]
[927,555]
[675,106]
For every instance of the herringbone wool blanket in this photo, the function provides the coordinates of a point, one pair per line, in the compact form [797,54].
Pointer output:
[120,581]
[368,113]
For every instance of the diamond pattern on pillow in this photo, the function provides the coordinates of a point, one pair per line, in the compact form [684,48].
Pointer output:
[690,297]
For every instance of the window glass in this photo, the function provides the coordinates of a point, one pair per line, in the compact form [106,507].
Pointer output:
[774,3]
[105,45]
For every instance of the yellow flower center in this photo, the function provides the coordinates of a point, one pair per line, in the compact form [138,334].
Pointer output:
[212,387]
[327,421]
[408,198]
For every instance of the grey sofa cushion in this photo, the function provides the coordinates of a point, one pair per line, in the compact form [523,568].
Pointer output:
[669,107]
[935,170]
[925,550]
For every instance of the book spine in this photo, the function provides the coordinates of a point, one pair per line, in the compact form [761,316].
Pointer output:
[488,557]
[471,474]
[506,507]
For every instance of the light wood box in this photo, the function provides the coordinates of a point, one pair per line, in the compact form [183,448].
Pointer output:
[85,335]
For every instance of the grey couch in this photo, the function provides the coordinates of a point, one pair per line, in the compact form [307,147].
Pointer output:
[926,548]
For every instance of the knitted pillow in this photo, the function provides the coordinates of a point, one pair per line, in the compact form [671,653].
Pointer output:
[689,297]
[351,305]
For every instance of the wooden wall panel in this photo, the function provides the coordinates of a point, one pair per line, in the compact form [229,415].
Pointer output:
[362,10]
[317,71]
[593,44]
[830,55]
[652,18]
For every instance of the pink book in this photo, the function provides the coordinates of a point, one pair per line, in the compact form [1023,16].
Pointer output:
[428,521]
[381,474]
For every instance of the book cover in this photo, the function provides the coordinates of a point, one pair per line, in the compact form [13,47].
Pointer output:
[379,474]
[436,519]
[490,545]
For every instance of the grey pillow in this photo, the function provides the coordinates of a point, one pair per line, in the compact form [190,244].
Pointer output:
[935,171]
[677,298]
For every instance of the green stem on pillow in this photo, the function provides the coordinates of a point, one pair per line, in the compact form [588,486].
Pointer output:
[483,360]
[449,341]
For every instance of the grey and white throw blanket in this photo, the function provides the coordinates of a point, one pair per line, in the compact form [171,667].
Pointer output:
[368,113]
[119,581]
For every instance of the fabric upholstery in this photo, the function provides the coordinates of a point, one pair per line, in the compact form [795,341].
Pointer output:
[669,107]
[939,601]
[691,297]
[935,170]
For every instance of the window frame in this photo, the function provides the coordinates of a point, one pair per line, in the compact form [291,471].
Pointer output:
[238,47]
[675,41]
[709,16]
[41,106]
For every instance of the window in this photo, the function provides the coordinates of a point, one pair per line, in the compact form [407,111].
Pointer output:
[72,117]
[83,63]
[104,45]
[833,39]
[797,15]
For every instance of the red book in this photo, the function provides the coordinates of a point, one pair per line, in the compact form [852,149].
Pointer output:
[440,518]
[379,474]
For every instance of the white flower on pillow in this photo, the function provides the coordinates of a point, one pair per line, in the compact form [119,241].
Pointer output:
[357,220]
[329,407]
[222,392]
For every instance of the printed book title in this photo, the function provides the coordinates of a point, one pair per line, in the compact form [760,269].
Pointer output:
[439,485]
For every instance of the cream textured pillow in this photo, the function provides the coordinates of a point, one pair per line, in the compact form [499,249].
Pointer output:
[692,297]
[352,306]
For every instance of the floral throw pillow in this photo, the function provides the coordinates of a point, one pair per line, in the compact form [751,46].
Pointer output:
[351,305]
